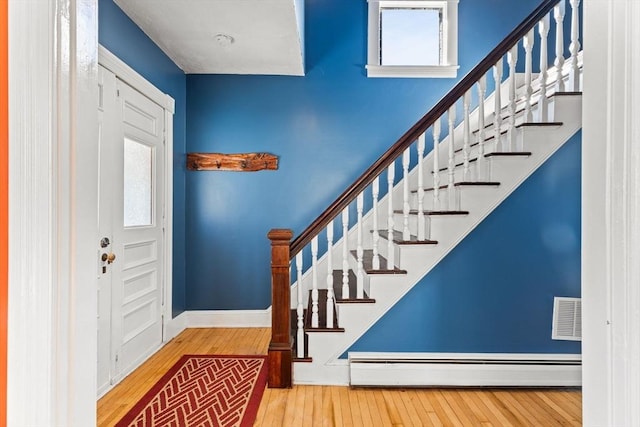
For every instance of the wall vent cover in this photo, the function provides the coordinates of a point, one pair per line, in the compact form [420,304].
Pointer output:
[567,319]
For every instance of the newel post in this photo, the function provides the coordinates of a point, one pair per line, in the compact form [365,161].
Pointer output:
[281,345]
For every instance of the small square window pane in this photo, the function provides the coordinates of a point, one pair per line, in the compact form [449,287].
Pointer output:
[410,36]
[138,183]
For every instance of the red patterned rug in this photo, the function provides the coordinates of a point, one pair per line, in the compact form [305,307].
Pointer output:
[203,391]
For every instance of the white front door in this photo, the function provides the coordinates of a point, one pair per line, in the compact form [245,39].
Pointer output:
[131,223]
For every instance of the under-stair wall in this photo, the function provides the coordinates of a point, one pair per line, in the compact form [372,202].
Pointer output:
[502,288]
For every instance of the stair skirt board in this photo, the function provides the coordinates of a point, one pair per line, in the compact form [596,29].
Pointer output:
[464,370]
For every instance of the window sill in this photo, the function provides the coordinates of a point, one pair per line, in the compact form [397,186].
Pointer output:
[413,71]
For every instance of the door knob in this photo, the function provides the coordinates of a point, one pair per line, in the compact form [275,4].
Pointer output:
[108,258]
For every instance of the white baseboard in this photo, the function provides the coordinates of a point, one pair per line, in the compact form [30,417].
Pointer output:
[465,370]
[175,326]
[229,318]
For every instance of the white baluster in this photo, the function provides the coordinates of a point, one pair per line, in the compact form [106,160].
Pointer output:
[466,144]
[543,102]
[451,115]
[406,207]
[391,173]
[345,253]
[482,161]
[436,164]
[360,249]
[314,289]
[574,47]
[512,59]
[375,189]
[300,308]
[527,42]
[558,15]
[421,228]
[330,296]
[497,108]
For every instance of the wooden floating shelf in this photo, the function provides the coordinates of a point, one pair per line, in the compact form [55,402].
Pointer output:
[241,162]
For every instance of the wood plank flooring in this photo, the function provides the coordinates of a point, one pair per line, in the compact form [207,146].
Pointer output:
[342,406]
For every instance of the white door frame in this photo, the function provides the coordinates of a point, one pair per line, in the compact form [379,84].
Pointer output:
[53,58]
[610,212]
[128,75]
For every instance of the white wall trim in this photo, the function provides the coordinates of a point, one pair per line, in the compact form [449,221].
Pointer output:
[415,71]
[610,208]
[133,79]
[52,210]
[464,370]
[167,312]
[229,318]
[175,326]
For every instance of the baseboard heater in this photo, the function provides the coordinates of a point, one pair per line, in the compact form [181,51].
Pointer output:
[464,370]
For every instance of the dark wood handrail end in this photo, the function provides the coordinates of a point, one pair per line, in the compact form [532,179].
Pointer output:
[280,355]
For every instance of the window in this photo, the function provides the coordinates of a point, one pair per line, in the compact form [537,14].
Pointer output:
[138,184]
[413,38]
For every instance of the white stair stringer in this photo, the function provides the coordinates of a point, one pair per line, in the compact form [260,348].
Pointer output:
[326,348]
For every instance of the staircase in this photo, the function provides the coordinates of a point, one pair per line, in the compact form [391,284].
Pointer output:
[423,196]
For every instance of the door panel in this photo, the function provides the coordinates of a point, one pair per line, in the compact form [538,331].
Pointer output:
[138,230]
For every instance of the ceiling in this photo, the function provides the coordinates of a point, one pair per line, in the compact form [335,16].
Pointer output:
[225,36]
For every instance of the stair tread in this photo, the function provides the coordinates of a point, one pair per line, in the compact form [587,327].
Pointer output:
[337,289]
[465,184]
[398,238]
[433,213]
[367,261]
[565,93]
[322,314]
[539,124]
[509,154]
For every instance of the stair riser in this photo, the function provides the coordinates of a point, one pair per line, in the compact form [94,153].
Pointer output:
[463,194]
[444,195]
[353,265]
[436,225]
[383,248]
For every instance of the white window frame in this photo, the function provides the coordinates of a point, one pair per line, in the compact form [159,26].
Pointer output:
[449,66]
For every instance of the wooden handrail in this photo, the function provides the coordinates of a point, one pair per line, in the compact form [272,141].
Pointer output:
[449,100]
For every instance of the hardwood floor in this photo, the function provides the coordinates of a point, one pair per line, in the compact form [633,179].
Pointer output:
[342,406]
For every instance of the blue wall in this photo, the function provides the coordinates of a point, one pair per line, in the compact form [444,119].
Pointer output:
[328,127]
[125,39]
[494,292]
